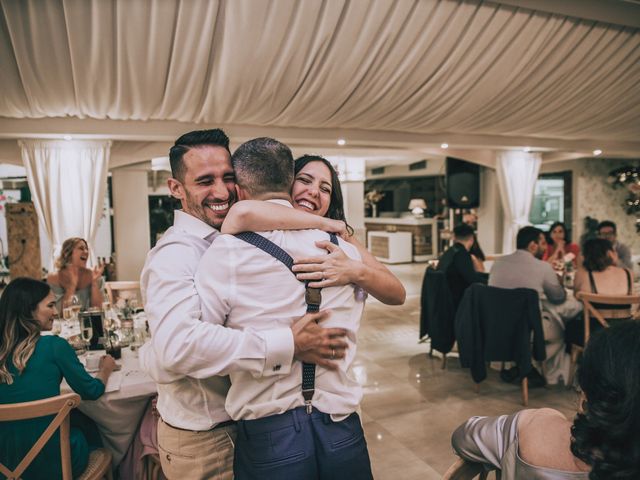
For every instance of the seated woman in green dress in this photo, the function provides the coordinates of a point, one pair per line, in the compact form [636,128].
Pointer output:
[31,368]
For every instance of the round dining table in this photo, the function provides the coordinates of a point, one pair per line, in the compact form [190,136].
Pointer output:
[118,412]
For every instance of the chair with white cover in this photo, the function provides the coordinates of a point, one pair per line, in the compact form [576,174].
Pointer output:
[99,465]
[125,289]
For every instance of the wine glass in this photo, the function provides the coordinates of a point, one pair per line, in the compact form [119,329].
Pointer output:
[75,305]
[87,331]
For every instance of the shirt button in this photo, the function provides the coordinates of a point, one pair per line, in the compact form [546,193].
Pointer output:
[168,457]
[276,368]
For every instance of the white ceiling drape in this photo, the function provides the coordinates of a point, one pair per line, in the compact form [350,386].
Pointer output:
[429,66]
[517,173]
[68,181]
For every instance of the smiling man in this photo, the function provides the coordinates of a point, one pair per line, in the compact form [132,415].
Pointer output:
[188,352]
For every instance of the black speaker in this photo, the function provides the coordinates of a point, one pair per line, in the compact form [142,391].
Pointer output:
[463,183]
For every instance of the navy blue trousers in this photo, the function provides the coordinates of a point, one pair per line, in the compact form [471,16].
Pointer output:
[295,445]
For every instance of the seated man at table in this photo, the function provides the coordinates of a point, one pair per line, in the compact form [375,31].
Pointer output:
[458,263]
[608,230]
[525,269]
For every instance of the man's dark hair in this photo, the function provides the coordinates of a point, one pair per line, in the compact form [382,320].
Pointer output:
[607,223]
[463,231]
[263,165]
[198,138]
[526,235]
[595,254]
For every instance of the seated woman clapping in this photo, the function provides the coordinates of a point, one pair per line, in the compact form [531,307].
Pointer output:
[73,278]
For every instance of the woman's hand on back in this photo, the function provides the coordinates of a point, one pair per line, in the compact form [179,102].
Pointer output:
[328,270]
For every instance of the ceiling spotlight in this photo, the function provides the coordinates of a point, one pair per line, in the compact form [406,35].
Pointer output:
[526,149]
[597,152]
[444,145]
[342,142]
[68,137]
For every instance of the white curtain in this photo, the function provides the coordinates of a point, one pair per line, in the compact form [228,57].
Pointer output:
[434,66]
[517,174]
[67,180]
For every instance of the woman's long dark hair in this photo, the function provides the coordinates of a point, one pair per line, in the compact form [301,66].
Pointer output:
[567,239]
[19,331]
[595,254]
[336,202]
[606,434]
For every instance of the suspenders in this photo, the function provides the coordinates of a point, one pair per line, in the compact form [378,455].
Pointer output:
[312,297]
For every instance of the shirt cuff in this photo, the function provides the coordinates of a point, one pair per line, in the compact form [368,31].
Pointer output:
[280,349]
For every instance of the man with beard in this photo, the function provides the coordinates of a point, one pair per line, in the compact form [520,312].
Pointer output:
[525,269]
[188,352]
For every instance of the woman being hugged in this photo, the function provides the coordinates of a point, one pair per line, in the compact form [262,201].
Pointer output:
[31,368]
[74,278]
[317,200]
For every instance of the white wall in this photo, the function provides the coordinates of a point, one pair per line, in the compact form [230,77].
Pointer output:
[131,221]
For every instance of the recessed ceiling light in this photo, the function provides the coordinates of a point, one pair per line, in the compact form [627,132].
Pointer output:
[527,149]
[68,137]
[342,142]
[597,152]
[444,145]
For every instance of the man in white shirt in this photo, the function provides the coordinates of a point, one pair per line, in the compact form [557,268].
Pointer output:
[189,351]
[278,437]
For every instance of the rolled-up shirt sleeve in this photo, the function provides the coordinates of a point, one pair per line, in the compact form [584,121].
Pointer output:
[187,343]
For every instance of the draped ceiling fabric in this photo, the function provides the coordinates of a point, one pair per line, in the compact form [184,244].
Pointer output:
[68,181]
[433,66]
[517,173]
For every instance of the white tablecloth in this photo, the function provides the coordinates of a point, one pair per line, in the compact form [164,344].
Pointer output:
[118,413]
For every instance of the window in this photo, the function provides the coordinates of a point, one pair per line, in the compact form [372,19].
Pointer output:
[551,200]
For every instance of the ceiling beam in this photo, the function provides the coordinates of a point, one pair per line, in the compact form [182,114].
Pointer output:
[616,12]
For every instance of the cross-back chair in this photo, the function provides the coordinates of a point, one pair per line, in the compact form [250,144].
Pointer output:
[590,311]
[123,289]
[99,461]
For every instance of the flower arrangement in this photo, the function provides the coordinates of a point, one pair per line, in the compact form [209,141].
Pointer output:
[372,197]
[628,177]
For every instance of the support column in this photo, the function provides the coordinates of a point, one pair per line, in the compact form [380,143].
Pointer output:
[353,195]
[490,214]
[130,221]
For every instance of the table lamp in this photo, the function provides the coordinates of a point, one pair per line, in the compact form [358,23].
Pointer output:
[417,207]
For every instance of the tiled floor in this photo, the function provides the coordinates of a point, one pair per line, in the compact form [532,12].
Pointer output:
[411,406]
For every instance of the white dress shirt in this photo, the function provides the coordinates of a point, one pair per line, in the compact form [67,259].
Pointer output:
[253,290]
[188,352]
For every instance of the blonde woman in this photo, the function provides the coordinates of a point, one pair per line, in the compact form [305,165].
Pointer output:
[74,278]
[31,368]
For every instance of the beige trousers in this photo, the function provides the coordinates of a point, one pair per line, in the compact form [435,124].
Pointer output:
[186,455]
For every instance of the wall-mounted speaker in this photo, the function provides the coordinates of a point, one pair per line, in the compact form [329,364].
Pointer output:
[463,183]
